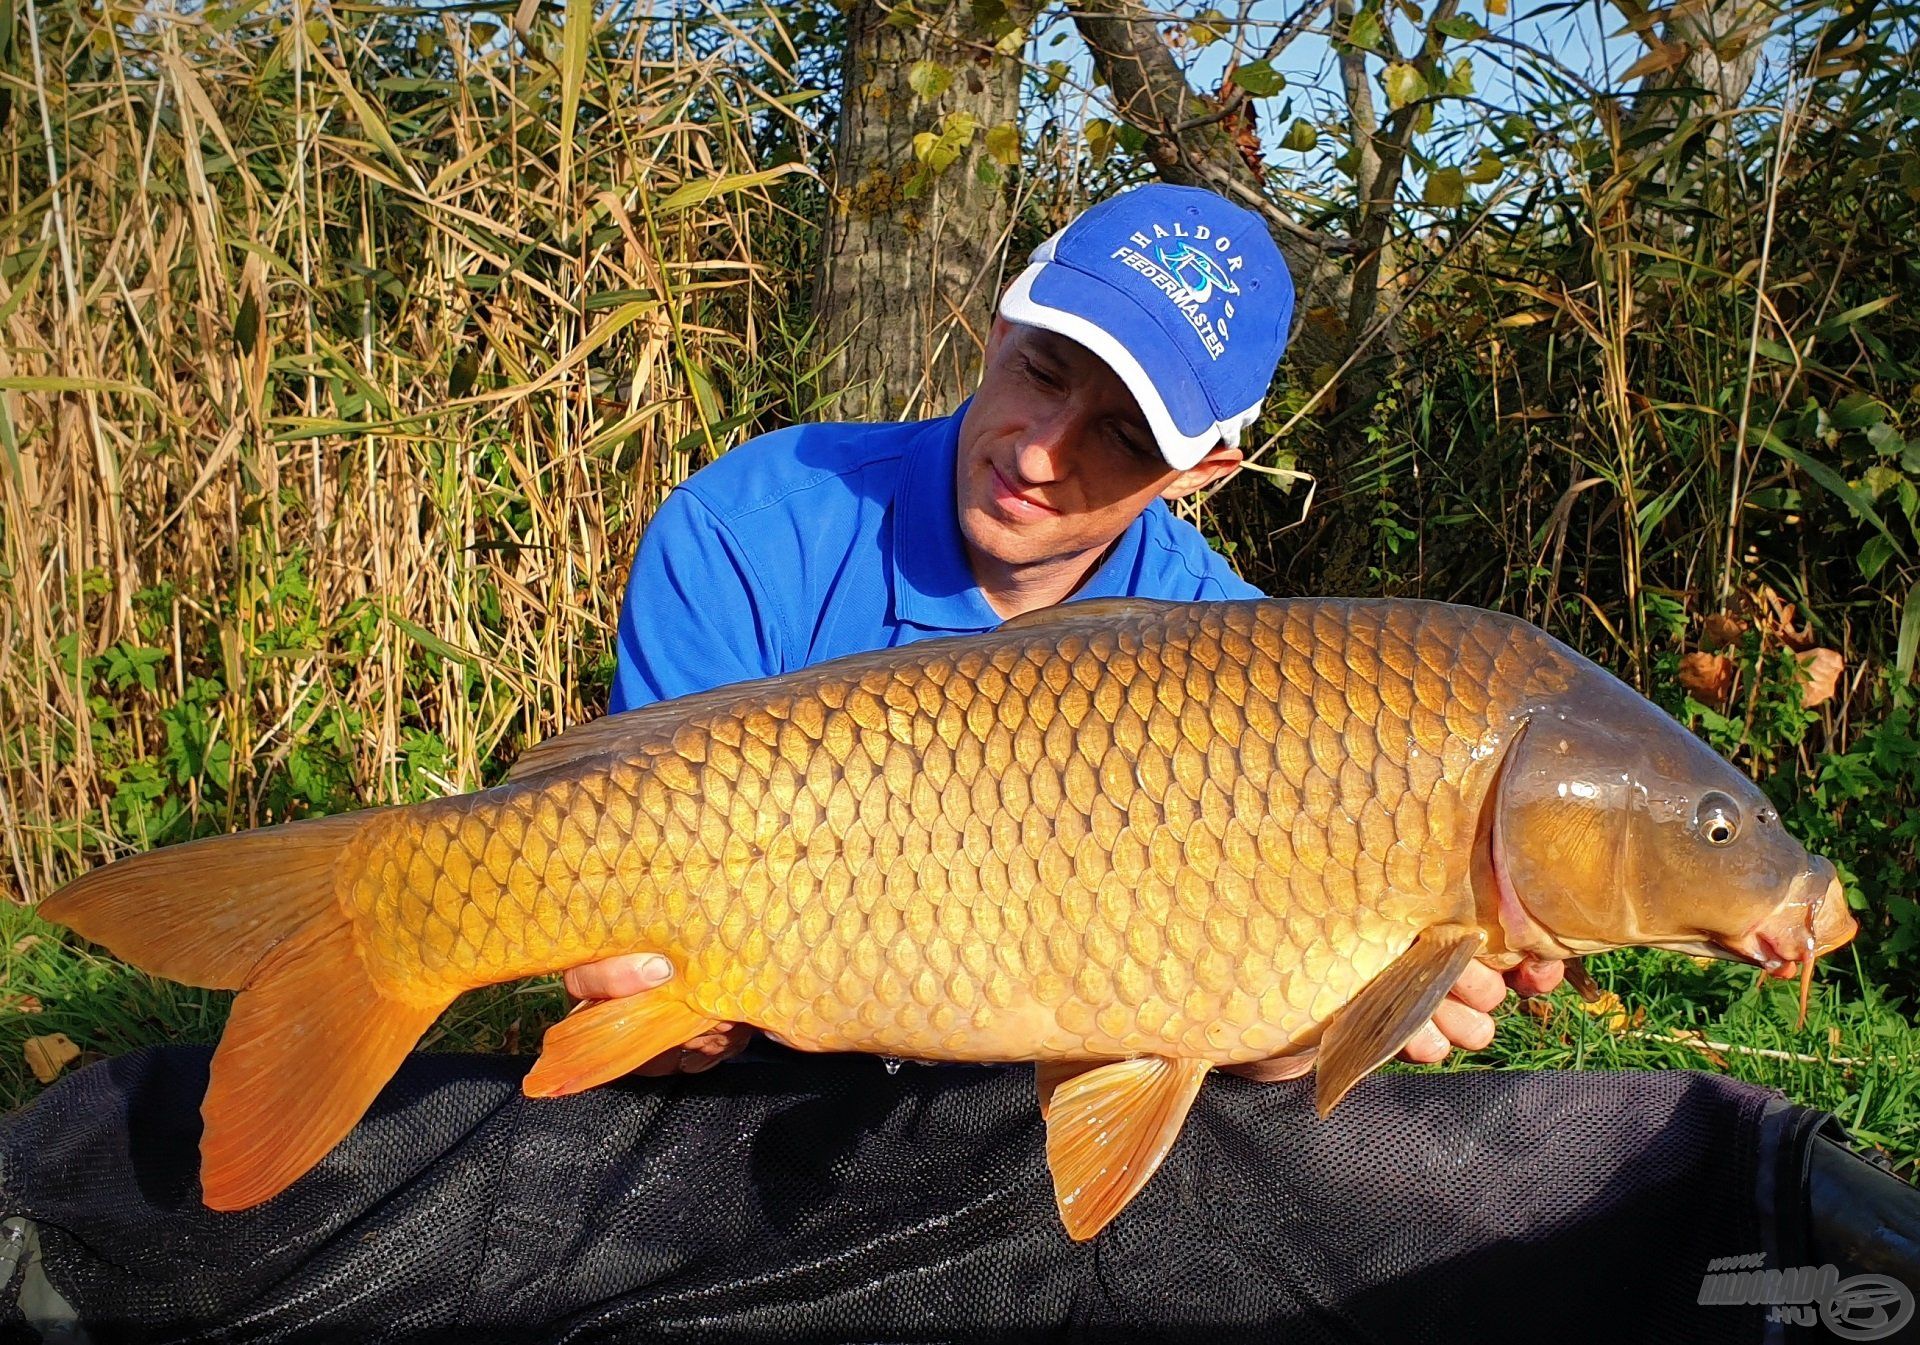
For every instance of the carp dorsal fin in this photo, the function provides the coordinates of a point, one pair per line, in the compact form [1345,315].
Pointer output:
[632,730]
[1108,1128]
[1391,1009]
[609,733]
[1087,609]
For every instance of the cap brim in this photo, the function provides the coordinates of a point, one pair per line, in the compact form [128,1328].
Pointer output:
[1056,298]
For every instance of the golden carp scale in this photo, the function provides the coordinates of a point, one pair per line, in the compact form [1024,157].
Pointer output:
[1126,840]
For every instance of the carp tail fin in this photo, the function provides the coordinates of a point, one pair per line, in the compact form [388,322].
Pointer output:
[208,912]
[311,1039]
[309,1045]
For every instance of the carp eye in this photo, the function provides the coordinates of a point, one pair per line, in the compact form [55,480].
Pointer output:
[1717,819]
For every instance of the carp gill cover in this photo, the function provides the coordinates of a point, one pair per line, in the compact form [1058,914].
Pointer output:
[1126,840]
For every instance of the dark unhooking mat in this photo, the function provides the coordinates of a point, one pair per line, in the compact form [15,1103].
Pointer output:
[787,1198]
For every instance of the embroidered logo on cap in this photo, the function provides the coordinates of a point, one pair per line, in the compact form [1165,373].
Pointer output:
[1197,271]
[1191,269]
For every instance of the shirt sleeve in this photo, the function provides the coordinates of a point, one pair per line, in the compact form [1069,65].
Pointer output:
[695,615]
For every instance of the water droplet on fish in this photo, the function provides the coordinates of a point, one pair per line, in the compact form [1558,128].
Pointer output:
[892,1065]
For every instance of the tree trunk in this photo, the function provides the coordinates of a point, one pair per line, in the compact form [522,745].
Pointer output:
[914,258]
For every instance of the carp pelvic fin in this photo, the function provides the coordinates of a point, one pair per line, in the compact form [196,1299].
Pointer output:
[599,1042]
[1108,1128]
[1391,1009]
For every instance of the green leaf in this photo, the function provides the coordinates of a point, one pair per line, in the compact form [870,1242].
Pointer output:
[1300,136]
[929,79]
[1057,72]
[1839,325]
[1909,642]
[1003,144]
[1461,26]
[1259,79]
[1487,168]
[1460,80]
[1365,30]
[1099,135]
[1445,188]
[986,172]
[578,29]
[705,189]
[246,324]
[1207,29]
[1875,552]
[1404,84]
[1856,411]
[1855,499]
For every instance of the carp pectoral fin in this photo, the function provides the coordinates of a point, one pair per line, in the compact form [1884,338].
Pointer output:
[1366,1033]
[599,1042]
[1582,980]
[1108,1128]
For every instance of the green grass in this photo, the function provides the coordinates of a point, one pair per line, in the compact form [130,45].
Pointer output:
[1857,1057]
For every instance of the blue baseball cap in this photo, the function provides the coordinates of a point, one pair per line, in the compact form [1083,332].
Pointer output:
[1182,293]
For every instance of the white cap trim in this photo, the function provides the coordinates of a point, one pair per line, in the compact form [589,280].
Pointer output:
[1181,451]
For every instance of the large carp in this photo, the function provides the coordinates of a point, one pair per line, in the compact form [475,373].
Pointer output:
[1127,840]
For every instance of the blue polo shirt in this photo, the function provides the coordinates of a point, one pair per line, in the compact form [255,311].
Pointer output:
[823,540]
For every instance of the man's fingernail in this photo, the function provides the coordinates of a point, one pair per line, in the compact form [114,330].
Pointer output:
[657,971]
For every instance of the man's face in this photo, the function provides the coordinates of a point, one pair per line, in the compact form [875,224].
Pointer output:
[1055,458]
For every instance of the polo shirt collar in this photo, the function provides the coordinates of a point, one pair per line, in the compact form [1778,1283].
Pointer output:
[933,586]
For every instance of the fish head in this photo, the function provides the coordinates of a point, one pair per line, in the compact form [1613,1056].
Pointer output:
[1612,826]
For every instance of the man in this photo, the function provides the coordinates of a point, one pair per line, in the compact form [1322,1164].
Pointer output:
[1125,365]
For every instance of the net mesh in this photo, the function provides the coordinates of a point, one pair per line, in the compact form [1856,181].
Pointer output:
[822,1198]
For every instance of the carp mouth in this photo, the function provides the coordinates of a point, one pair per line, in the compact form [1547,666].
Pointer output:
[1809,924]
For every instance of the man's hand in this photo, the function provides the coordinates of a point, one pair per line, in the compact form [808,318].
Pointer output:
[618,977]
[1465,1017]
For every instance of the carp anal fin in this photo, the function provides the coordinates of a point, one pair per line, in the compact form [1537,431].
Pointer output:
[599,1042]
[1095,611]
[1366,1033]
[1108,1128]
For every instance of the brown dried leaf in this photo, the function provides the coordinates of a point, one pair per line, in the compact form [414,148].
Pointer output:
[1707,676]
[19,1004]
[1821,668]
[1781,620]
[1540,1010]
[24,942]
[48,1055]
[1722,629]
[1664,56]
